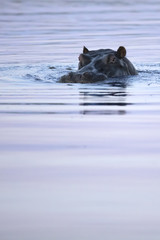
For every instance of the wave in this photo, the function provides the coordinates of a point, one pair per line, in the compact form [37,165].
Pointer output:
[50,73]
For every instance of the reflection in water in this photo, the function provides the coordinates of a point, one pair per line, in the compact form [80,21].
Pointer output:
[105,101]
[106,98]
[103,112]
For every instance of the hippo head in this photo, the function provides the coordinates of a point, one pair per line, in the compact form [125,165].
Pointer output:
[100,64]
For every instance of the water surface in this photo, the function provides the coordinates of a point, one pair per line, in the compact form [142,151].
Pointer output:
[78,161]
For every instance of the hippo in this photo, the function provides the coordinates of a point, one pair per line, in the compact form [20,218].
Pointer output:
[98,65]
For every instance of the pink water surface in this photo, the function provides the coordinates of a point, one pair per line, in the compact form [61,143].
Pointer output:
[78,162]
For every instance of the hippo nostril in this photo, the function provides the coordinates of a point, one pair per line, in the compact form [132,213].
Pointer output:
[86,74]
[79,76]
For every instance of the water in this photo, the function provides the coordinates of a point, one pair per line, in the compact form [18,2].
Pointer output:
[78,161]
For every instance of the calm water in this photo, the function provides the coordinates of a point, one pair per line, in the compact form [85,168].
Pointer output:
[78,162]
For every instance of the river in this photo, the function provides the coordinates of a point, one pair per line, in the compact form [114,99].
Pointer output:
[78,161]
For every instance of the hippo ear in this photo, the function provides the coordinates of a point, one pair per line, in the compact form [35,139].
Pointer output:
[121,52]
[85,50]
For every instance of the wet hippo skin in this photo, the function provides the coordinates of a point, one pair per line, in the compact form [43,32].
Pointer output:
[98,65]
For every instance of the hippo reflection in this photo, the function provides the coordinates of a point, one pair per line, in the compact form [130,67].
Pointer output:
[100,64]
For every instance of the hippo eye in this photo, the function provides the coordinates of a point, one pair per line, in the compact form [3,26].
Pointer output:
[83,60]
[111,59]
